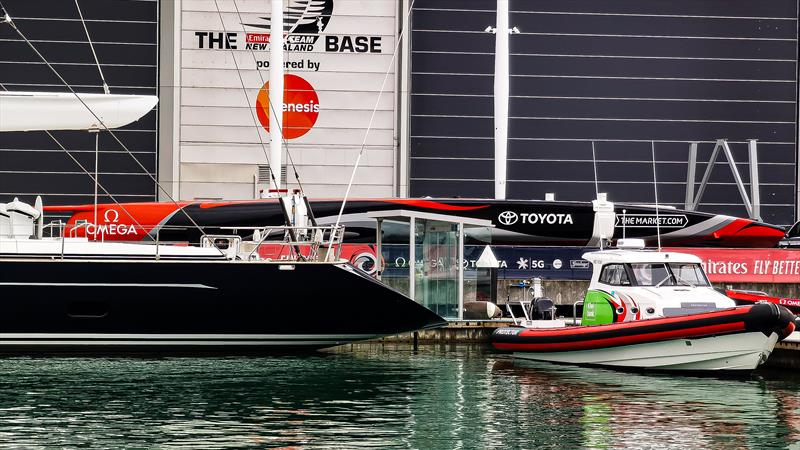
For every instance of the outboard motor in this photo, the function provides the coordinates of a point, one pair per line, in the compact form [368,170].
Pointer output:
[543,309]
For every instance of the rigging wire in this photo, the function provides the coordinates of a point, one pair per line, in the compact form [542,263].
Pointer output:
[9,21]
[271,106]
[91,45]
[594,166]
[252,109]
[372,117]
[655,192]
[247,98]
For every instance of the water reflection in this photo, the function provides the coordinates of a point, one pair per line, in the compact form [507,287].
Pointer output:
[619,409]
[382,397]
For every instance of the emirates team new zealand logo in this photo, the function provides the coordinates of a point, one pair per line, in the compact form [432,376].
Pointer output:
[301,17]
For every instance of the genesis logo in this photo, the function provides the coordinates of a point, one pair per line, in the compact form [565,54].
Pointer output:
[302,17]
[507,218]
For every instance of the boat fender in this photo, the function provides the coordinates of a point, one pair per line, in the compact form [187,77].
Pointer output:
[771,318]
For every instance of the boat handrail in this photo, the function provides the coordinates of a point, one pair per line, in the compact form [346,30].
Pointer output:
[295,238]
[575,312]
[315,240]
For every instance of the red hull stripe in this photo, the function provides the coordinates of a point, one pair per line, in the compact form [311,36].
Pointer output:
[631,325]
[434,205]
[683,333]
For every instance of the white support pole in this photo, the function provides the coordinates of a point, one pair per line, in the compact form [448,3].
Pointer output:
[412,257]
[460,262]
[96,133]
[276,96]
[501,90]
[755,192]
[690,177]
[379,249]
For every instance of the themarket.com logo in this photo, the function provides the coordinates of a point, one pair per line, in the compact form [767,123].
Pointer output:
[303,22]
[300,106]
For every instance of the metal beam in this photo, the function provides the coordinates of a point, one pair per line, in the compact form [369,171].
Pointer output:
[707,175]
[690,177]
[737,178]
[460,262]
[752,202]
[412,257]
[755,193]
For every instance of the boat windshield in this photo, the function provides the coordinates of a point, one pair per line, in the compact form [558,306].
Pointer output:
[688,274]
[672,274]
[652,274]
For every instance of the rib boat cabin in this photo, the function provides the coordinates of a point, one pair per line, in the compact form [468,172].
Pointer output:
[630,283]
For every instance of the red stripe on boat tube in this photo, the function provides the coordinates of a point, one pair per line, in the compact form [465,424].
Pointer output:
[571,331]
[684,333]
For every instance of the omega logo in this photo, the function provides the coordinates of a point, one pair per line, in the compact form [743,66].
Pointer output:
[107,217]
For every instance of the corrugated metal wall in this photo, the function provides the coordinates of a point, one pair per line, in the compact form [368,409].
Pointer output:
[125,34]
[618,72]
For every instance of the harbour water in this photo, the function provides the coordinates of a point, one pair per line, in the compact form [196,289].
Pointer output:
[384,396]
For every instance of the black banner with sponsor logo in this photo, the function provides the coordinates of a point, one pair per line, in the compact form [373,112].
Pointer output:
[563,263]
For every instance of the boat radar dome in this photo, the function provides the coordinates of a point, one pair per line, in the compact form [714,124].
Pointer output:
[630,243]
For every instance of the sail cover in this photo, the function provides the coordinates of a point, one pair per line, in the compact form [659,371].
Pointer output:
[36,111]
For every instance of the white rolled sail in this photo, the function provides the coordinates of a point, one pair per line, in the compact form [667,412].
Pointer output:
[36,111]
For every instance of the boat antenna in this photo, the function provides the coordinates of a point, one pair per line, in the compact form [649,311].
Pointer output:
[91,45]
[624,211]
[7,19]
[371,118]
[594,166]
[655,192]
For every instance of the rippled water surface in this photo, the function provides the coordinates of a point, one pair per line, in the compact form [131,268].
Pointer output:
[383,397]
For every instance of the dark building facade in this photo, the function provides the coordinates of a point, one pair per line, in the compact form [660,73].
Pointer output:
[125,36]
[621,73]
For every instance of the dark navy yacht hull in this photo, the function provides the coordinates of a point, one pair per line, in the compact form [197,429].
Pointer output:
[178,306]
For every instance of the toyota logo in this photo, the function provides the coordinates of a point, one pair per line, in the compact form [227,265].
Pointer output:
[507,218]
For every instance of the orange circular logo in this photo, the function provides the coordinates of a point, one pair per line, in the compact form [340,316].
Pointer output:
[300,106]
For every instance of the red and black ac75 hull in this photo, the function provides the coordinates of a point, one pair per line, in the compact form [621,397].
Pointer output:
[750,297]
[516,222]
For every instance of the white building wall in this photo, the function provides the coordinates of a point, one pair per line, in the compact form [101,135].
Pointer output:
[221,145]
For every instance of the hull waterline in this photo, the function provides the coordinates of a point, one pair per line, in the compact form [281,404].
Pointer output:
[744,351]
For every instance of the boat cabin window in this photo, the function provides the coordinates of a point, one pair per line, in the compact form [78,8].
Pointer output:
[672,274]
[652,274]
[688,274]
[615,274]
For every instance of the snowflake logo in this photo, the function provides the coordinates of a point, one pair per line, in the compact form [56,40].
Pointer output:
[522,264]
